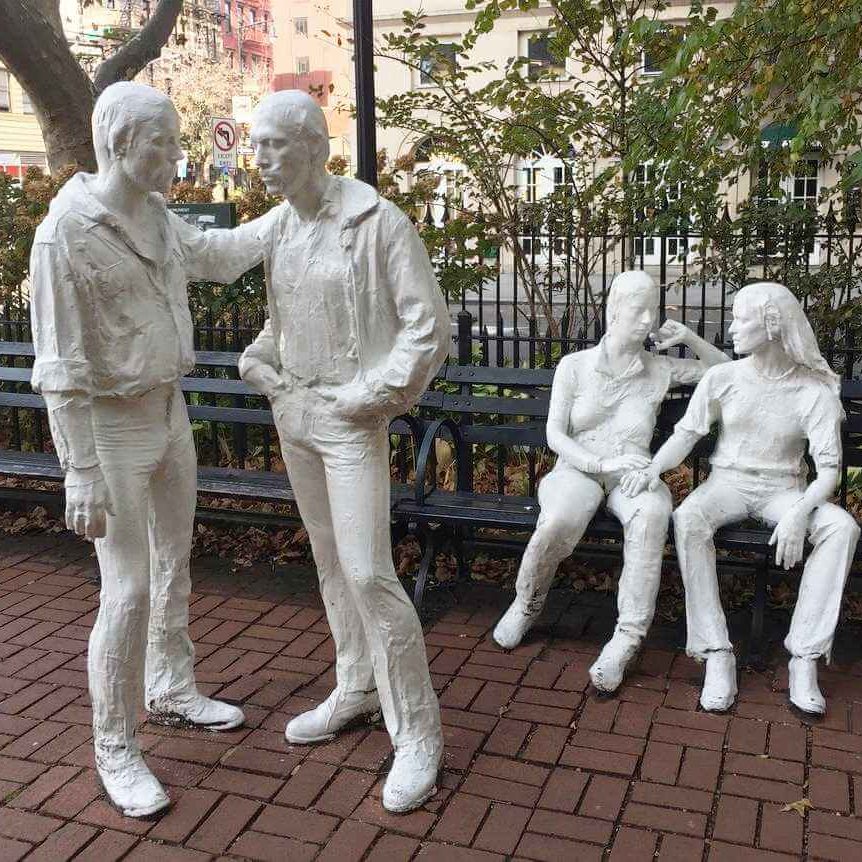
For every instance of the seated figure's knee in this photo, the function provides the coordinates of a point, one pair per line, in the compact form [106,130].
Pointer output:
[689,521]
[654,511]
[556,532]
[832,520]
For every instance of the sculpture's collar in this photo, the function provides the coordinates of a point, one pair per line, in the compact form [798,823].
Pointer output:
[79,190]
[357,199]
[603,365]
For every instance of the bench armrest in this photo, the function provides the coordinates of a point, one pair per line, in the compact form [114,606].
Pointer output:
[428,454]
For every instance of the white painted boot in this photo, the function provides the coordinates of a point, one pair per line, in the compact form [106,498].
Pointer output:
[805,693]
[609,668]
[413,777]
[129,784]
[719,682]
[324,721]
[195,710]
[513,625]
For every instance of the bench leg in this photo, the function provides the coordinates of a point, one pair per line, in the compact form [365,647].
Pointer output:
[758,609]
[431,544]
[461,557]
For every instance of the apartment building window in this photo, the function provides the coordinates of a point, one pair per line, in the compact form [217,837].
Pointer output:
[26,104]
[4,90]
[110,4]
[301,26]
[805,182]
[302,66]
[440,60]
[542,60]
[530,177]
[228,24]
[658,51]
[562,177]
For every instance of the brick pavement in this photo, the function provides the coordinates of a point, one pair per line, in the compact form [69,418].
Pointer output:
[536,767]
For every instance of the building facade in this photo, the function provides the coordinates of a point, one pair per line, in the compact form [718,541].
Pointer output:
[521,34]
[21,144]
[313,53]
[247,35]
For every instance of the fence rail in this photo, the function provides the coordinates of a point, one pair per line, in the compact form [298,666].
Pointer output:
[549,296]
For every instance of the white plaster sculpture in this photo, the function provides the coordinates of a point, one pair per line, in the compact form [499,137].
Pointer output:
[601,419]
[768,405]
[357,328]
[113,335]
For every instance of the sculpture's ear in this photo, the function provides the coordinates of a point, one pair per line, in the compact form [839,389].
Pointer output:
[771,320]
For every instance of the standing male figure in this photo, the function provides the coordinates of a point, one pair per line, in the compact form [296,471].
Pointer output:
[601,419]
[113,335]
[357,328]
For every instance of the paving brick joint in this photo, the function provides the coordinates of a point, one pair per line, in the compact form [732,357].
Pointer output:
[537,767]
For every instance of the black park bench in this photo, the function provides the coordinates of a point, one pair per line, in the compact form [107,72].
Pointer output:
[499,413]
[218,398]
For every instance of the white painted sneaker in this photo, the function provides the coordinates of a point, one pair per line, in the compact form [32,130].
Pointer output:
[196,710]
[324,721]
[130,786]
[513,625]
[805,693]
[413,777]
[719,682]
[609,668]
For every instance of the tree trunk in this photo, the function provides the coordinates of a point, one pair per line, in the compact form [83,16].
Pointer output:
[34,49]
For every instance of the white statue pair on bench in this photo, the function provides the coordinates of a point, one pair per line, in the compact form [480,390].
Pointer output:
[769,405]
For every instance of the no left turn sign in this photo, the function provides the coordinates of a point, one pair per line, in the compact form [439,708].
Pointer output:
[224,142]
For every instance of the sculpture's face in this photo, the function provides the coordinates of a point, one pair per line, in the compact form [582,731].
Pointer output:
[748,329]
[635,316]
[283,157]
[150,158]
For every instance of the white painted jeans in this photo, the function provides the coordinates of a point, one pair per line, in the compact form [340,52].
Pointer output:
[730,496]
[147,455]
[568,500]
[339,471]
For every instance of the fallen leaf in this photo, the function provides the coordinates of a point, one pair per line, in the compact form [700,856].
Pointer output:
[799,806]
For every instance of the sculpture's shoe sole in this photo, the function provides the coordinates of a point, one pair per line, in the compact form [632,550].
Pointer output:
[175,719]
[149,812]
[718,706]
[811,710]
[365,718]
[417,803]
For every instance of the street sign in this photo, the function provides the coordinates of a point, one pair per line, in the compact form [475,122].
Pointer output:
[224,142]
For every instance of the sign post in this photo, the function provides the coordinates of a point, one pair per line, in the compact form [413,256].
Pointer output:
[224,142]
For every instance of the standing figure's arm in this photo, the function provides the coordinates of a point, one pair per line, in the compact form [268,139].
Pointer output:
[223,254]
[258,365]
[63,374]
[422,341]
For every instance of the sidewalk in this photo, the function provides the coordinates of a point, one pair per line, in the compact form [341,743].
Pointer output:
[536,766]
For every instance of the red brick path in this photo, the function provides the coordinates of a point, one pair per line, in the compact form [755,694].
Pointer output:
[536,766]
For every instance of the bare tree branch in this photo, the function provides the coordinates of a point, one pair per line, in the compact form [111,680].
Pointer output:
[141,49]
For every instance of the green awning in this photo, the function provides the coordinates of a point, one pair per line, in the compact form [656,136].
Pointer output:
[777,134]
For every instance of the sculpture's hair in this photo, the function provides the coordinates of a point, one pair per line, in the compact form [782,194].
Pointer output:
[299,114]
[780,311]
[119,111]
[628,284]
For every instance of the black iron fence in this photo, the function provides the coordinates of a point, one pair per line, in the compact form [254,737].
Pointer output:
[548,296]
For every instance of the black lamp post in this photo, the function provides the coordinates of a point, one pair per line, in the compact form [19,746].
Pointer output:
[363,55]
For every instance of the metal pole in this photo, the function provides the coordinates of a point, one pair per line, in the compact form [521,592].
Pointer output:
[363,55]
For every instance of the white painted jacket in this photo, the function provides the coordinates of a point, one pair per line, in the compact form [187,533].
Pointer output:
[400,317]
